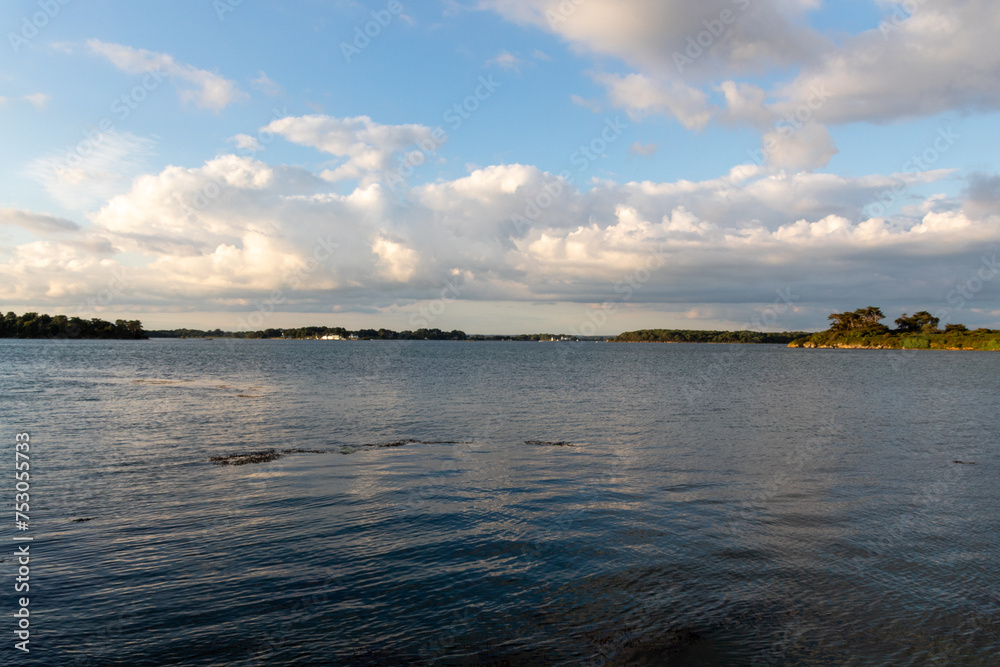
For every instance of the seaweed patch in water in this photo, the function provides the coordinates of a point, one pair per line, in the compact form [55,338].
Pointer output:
[965,463]
[551,443]
[349,449]
[264,456]
[267,455]
[84,519]
[247,457]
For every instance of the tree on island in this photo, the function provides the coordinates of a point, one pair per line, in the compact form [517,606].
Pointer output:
[35,325]
[921,322]
[862,319]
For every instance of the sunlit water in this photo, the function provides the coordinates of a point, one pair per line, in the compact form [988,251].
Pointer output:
[717,504]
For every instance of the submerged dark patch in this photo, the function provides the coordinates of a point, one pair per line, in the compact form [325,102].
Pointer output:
[245,458]
[551,443]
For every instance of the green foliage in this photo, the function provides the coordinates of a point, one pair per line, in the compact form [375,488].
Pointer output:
[915,343]
[309,333]
[920,321]
[33,325]
[695,336]
[862,319]
[851,331]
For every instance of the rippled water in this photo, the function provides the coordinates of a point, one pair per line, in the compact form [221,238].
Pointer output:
[715,504]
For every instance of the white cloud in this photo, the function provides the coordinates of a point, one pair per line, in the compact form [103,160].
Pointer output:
[641,95]
[506,60]
[746,103]
[398,263]
[38,100]
[591,105]
[265,85]
[807,147]
[207,90]
[367,148]
[742,34]
[638,148]
[246,142]
[236,229]
[944,57]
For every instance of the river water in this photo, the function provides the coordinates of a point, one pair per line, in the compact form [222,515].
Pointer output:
[504,503]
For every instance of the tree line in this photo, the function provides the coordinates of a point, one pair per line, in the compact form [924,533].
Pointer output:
[307,333]
[35,325]
[697,336]
[868,320]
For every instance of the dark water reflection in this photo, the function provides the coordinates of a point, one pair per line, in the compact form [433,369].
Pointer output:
[718,505]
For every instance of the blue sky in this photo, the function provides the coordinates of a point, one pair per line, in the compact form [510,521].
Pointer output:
[625,164]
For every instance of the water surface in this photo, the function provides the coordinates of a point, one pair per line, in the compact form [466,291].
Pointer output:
[714,504]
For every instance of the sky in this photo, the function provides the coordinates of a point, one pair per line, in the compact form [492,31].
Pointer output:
[500,166]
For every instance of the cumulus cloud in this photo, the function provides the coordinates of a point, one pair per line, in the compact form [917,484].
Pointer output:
[265,85]
[647,34]
[38,100]
[235,229]
[809,146]
[246,142]
[942,57]
[983,194]
[590,105]
[641,95]
[921,59]
[506,60]
[638,148]
[207,90]
[366,148]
